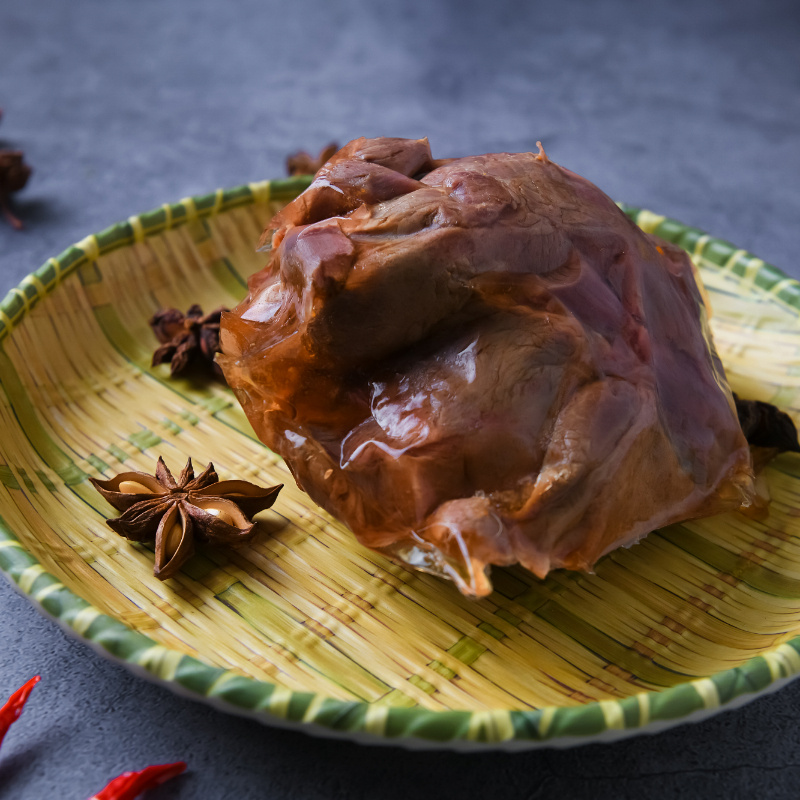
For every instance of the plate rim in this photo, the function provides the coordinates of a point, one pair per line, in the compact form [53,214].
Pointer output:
[413,728]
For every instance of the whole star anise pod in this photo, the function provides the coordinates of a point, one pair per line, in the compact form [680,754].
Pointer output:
[303,163]
[14,174]
[187,340]
[177,513]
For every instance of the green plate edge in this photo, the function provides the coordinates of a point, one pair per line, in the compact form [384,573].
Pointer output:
[410,727]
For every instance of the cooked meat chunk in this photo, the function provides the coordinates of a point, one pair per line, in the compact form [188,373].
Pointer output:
[483,361]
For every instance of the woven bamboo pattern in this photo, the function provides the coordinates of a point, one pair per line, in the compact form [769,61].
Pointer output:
[305,626]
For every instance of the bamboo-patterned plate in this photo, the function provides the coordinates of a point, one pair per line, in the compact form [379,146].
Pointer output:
[305,627]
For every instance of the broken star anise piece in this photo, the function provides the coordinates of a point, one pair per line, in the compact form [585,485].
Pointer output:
[177,513]
[766,426]
[14,174]
[303,163]
[187,340]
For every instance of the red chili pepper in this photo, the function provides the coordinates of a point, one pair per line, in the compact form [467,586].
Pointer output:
[132,784]
[10,712]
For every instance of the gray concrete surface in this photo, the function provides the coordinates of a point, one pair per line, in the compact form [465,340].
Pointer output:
[689,109]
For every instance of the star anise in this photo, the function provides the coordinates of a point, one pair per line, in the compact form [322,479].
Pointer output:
[190,340]
[177,513]
[14,174]
[765,425]
[303,163]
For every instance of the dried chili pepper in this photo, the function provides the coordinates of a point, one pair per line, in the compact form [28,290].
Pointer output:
[131,784]
[10,712]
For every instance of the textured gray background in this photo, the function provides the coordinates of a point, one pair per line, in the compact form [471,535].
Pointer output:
[689,109]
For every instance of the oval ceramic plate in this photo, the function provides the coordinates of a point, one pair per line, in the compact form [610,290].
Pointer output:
[303,626]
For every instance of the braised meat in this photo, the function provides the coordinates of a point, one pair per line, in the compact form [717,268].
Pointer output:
[483,361]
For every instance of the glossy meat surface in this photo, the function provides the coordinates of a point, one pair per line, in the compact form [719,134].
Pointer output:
[483,361]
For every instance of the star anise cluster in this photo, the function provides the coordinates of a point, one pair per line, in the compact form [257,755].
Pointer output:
[303,163]
[176,514]
[14,174]
[189,340]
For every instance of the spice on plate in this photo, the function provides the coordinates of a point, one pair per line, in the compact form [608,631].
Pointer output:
[177,513]
[303,163]
[11,711]
[131,784]
[187,340]
[764,425]
[14,174]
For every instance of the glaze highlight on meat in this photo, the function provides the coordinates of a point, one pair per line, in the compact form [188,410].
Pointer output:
[483,361]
